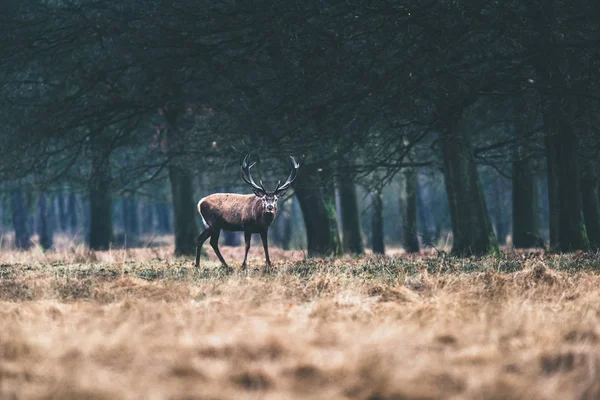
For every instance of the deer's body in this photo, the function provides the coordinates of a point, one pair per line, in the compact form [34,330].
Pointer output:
[235,212]
[249,213]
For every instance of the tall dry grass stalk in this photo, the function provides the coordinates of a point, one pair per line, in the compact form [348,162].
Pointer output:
[140,326]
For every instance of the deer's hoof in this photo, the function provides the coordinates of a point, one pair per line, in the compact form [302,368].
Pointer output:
[269,270]
[227,269]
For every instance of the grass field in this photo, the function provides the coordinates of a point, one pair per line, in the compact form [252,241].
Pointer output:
[141,325]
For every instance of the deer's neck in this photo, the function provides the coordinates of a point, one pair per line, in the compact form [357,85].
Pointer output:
[261,216]
[268,218]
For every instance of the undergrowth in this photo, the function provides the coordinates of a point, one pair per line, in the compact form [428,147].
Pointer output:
[524,325]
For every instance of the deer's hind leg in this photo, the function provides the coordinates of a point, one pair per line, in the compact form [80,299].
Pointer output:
[199,242]
[214,242]
[247,239]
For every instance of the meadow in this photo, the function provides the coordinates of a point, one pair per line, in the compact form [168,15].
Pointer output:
[140,324]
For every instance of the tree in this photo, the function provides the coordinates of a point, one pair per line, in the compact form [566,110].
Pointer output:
[351,230]
[130,218]
[524,199]
[288,224]
[325,79]
[591,203]
[101,227]
[315,193]
[408,206]
[423,220]
[20,214]
[377,223]
[567,225]
[471,226]
[553,59]
[61,212]
[182,183]
[72,212]
[45,223]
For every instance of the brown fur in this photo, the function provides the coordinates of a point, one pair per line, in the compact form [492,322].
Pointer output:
[241,212]
[235,212]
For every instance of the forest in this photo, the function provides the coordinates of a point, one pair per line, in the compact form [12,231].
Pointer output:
[423,124]
[440,238]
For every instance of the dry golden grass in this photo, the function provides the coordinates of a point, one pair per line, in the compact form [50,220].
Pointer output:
[142,325]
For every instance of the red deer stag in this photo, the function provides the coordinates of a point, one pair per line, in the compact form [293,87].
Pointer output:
[250,213]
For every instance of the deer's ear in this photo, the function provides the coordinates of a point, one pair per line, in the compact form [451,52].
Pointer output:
[258,193]
[281,194]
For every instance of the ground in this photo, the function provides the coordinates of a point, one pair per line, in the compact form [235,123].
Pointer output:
[141,325]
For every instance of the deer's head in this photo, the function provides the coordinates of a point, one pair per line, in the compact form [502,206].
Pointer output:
[269,199]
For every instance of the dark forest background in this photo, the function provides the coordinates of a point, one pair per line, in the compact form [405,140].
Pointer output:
[423,123]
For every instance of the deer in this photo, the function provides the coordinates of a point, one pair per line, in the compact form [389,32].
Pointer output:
[248,213]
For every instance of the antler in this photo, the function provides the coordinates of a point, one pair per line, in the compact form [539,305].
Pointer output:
[247,177]
[291,178]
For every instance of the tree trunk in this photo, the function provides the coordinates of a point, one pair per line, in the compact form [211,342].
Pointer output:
[377,237]
[524,202]
[5,215]
[315,193]
[554,67]
[471,227]
[422,218]
[567,225]
[61,211]
[20,213]
[233,239]
[147,222]
[100,199]
[351,230]
[288,225]
[72,213]
[182,183]
[408,211]
[45,231]
[131,222]
[591,203]
[184,211]
[501,223]
[553,190]
[163,218]
[84,202]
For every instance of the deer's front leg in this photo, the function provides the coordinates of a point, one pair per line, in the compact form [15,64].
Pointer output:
[264,238]
[247,239]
